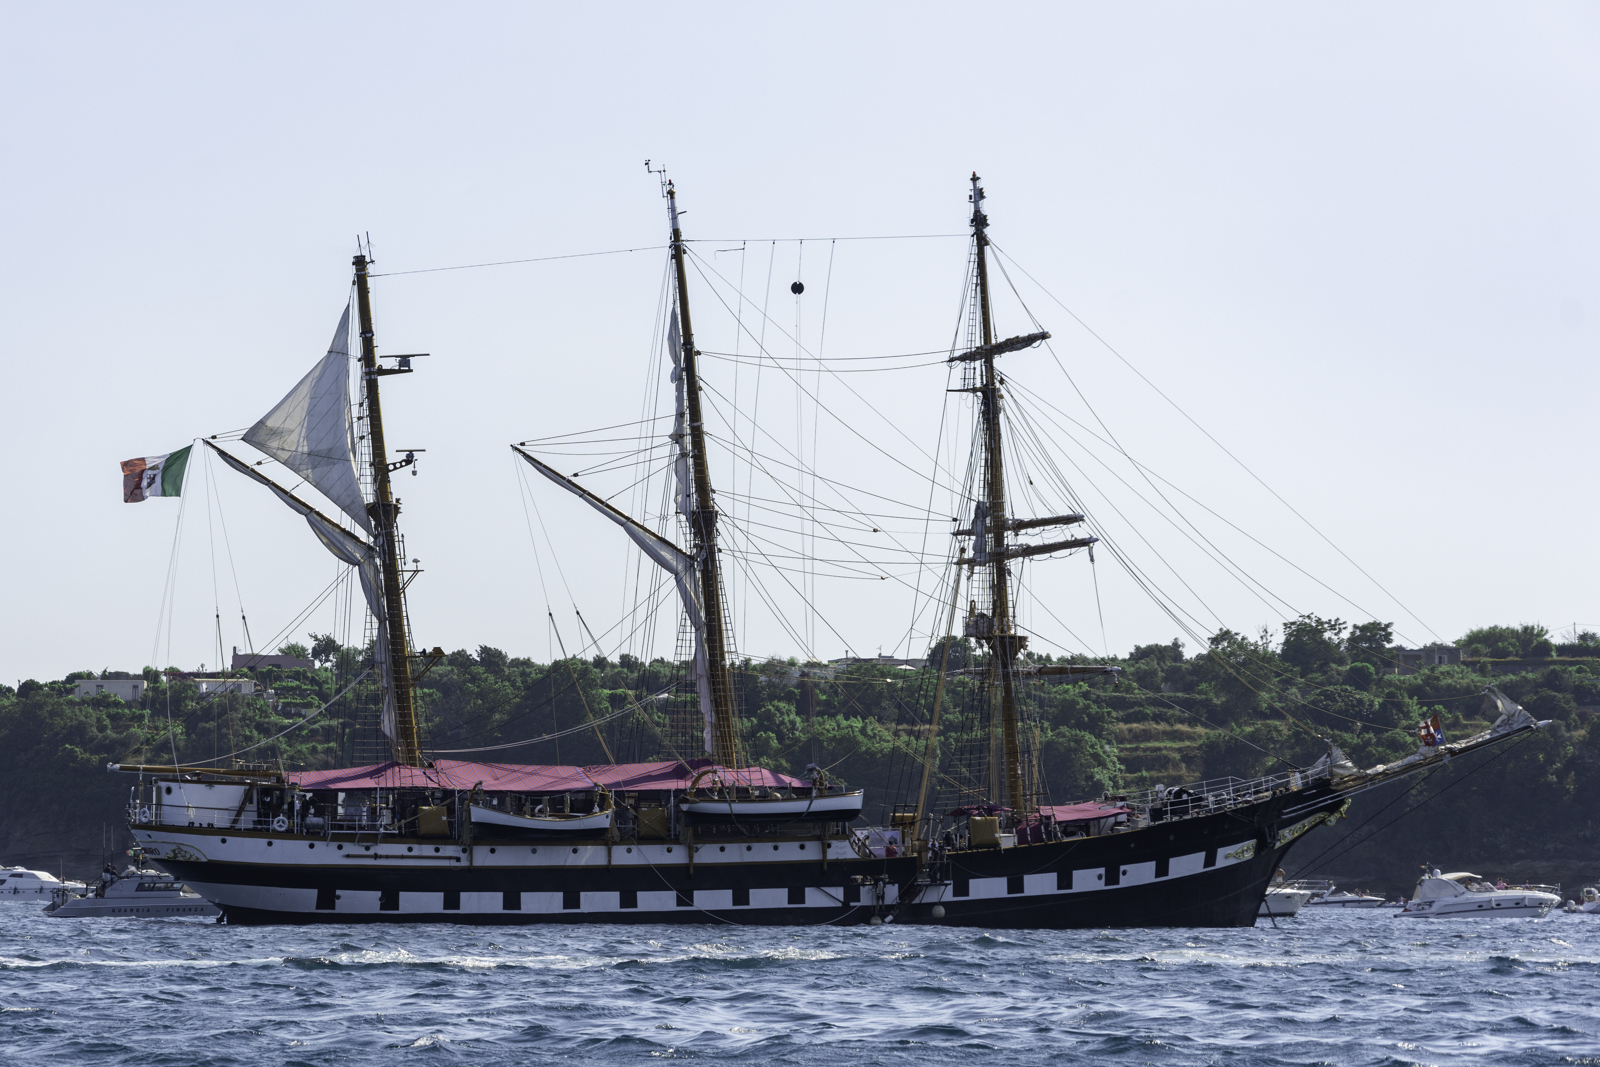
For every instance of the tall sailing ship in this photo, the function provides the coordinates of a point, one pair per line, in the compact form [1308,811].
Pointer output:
[709,838]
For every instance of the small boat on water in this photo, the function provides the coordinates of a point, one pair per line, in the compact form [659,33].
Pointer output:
[1463,894]
[1345,899]
[1283,901]
[21,884]
[135,893]
[1588,904]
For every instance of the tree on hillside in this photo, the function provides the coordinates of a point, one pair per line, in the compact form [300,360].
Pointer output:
[1507,642]
[1370,643]
[1238,670]
[1311,643]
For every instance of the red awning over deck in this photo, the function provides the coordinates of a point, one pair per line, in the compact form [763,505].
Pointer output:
[539,778]
[1082,811]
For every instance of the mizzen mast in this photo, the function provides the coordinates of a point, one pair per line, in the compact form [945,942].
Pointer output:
[702,516]
[1004,643]
[384,510]
[1013,779]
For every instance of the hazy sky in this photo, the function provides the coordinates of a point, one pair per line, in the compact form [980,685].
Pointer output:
[1357,243]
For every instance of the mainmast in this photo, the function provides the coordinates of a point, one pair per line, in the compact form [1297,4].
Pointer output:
[384,510]
[702,515]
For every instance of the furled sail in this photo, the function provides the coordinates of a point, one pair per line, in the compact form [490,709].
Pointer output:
[311,433]
[680,437]
[350,549]
[670,558]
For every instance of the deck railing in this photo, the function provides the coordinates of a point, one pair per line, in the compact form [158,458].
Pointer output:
[1213,794]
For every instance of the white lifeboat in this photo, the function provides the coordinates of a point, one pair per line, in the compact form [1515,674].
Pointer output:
[807,804]
[596,822]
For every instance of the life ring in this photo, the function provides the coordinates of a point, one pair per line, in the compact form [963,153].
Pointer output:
[280,824]
[144,814]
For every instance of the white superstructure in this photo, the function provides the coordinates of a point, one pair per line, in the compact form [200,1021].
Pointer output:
[21,884]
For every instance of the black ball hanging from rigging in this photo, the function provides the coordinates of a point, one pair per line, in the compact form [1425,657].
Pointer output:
[797,288]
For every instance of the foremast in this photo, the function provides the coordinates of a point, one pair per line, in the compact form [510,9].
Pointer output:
[384,512]
[701,513]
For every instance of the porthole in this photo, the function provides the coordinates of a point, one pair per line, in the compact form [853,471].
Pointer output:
[574,851]
[802,846]
[408,848]
[340,847]
[269,844]
[630,848]
[533,850]
[436,848]
[1100,877]
[311,844]
[722,848]
[224,840]
[669,848]
[747,848]
[774,848]
[169,790]
[491,851]
[1124,872]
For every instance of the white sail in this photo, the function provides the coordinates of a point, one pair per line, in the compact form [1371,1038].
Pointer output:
[680,438]
[670,558]
[349,548]
[685,501]
[311,433]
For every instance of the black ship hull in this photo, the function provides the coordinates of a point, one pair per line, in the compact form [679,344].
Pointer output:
[1202,871]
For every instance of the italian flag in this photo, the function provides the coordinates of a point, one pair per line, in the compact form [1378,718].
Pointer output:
[150,476]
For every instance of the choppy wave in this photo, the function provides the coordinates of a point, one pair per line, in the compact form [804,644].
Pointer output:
[1349,988]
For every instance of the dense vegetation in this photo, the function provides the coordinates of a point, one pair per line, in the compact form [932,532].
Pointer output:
[1243,706]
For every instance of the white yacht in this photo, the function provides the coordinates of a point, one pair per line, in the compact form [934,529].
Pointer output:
[1329,896]
[1461,894]
[1283,901]
[21,884]
[135,893]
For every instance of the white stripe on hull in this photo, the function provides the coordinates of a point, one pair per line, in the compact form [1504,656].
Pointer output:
[369,902]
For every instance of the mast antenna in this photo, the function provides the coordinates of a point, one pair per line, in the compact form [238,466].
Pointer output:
[665,183]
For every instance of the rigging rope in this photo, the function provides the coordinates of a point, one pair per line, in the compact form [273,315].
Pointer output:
[1107,345]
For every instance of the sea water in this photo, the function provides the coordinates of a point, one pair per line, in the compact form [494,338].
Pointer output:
[1327,987]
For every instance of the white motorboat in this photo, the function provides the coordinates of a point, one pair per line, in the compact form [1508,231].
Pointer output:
[21,884]
[1344,899]
[1283,901]
[596,822]
[804,804]
[135,893]
[1463,894]
[1589,904]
